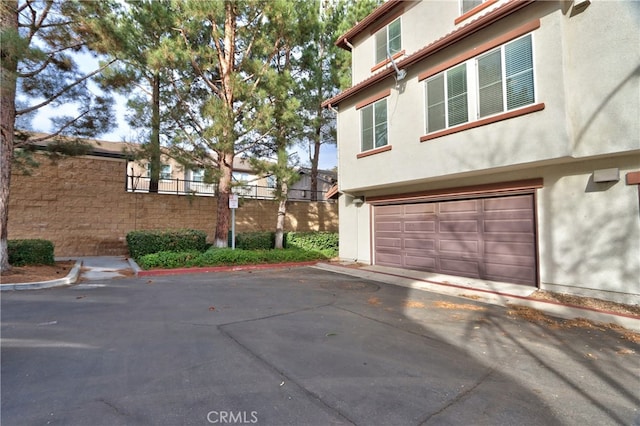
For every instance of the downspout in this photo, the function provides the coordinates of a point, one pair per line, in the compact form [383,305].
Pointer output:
[348,44]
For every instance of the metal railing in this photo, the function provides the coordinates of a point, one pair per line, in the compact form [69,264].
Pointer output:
[191,187]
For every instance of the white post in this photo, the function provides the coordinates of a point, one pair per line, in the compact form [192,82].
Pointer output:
[233,205]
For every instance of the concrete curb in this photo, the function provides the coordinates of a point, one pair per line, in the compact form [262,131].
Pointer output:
[493,297]
[71,278]
[201,270]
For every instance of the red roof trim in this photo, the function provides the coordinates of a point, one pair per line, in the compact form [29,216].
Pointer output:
[440,44]
[361,26]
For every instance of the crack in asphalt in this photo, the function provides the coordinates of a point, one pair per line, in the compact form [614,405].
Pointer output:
[458,397]
[317,399]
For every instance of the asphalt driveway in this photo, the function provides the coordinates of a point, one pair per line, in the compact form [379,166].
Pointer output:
[299,346]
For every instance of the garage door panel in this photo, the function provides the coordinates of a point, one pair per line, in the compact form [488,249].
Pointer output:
[488,238]
[507,248]
[389,226]
[420,243]
[424,208]
[467,268]
[522,202]
[521,226]
[382,242]
[460,246]
[389,259]
[389,210]
[427,263]
[511,273]
[417,226]
[458,226]
[458,206]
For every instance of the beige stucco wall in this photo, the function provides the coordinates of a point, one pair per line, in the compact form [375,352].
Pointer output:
[81,205]
[587,74]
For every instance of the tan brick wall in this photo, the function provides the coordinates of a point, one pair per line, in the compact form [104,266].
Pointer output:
[80,204]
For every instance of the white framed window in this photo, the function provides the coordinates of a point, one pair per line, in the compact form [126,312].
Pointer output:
[197,175]
[388,38]
[505,77]
[467,5]
[447,99]
[503,81]
[373,121]
[165,171]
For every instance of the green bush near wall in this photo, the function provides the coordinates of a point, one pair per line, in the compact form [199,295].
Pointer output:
[30,252]
[321,241]
[255,240]
[145,242]
[226,256]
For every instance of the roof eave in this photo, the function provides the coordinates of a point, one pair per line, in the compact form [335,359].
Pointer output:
[443,42]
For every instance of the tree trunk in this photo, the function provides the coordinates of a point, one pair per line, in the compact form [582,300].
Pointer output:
[314,163]
[225,161]
[8,70]
[154,161]
[282,214]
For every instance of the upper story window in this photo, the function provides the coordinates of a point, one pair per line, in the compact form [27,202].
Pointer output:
[165,171]
[197,175]
[503,81]
[446,98]
[373,119]
[505,78]
[467,5]
[388,39]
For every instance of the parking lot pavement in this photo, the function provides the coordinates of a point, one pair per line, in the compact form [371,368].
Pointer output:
[301,346]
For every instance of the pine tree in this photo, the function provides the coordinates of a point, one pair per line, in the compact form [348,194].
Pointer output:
[39,39]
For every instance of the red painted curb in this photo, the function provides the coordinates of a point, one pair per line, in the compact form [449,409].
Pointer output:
[206,269]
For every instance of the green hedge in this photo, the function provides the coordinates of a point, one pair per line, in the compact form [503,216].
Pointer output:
[255,240]
[325,241]
[142,243]
[225,256]
[30,252]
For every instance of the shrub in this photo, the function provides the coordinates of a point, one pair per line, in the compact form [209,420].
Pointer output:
[321,241]
[255,240]
[30,252]
[141,243]
[226,256]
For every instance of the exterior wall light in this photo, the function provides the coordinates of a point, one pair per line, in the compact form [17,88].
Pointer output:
[606,175]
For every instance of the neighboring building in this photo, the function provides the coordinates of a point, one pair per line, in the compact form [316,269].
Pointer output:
[497,140]
[302,188]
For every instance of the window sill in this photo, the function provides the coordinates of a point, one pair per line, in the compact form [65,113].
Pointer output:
[484,122]
[387,61]
[479,8]
[374,151]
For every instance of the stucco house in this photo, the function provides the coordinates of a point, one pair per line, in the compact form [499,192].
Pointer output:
[495,141]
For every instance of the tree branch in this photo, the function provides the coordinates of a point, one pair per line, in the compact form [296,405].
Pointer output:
[63,90]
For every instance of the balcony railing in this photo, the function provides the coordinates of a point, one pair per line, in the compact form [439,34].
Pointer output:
[190,187]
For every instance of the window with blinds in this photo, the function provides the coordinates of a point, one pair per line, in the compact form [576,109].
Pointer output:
[503,81]
[446,98]
[391,37]
[373,120]
[505,78]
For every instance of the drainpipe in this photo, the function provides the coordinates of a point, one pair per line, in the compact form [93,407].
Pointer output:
[335,111]
[348,44]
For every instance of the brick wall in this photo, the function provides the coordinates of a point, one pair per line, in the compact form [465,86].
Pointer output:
[80,204]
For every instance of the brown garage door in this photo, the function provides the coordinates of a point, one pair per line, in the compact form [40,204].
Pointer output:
[489,238]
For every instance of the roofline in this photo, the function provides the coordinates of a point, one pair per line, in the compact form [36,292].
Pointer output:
[380,11]
[436,46]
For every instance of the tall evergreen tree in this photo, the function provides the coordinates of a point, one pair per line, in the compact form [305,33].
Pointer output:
[140,30]
[229,46]
[39,38]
